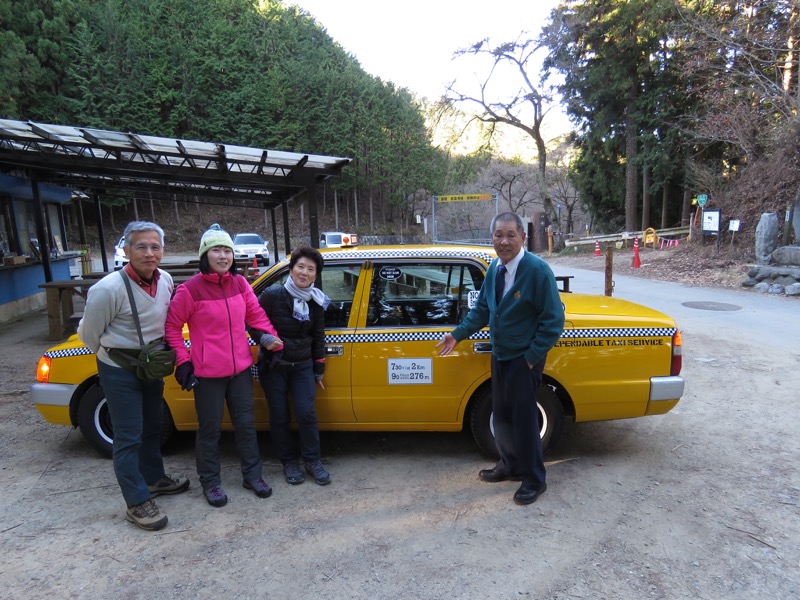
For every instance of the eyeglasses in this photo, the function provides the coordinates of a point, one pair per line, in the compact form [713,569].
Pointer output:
[145,247]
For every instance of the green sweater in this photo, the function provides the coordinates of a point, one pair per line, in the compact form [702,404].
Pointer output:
[530,317]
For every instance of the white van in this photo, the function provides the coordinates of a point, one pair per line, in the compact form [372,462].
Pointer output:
[337,239]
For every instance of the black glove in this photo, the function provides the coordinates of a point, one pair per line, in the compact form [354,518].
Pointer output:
[184,375]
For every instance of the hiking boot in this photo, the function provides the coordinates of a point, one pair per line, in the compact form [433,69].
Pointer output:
[216,495]
[146,516]
[292,473]
[318,472]
[259,486]
[169,484]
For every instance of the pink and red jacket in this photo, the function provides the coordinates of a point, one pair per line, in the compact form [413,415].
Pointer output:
[218,309]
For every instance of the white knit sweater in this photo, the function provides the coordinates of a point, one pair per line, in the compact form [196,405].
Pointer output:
[107,318]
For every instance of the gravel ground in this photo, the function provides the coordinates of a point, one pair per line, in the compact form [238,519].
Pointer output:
[699,503]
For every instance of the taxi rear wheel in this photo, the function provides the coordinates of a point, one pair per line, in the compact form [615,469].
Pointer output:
[94,421]
[551,419]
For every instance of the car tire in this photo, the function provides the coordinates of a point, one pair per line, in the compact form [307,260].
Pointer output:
[94,421]
[551,415]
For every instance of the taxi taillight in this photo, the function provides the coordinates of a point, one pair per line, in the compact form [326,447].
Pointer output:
[677,354]
[43,370]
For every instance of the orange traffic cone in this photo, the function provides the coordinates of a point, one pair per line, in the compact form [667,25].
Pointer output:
[597,248]
[636,261]
[255,265]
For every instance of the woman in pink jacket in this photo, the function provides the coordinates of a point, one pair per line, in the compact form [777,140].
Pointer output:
[218,304]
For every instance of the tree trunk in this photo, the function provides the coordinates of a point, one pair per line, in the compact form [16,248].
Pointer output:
[645,197]
[664,206]
[686,209]
[631,178]
[336,208]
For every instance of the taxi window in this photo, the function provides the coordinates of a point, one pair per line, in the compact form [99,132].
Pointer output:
[339,283]
[421,294]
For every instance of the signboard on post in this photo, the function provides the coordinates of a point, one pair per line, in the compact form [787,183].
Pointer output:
[702,199]
[465,197]
[711,219]
[458,198]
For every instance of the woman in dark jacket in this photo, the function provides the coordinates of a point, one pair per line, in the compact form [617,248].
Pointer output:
[297,311]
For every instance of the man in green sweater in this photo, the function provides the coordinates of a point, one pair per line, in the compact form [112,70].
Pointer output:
[519,301]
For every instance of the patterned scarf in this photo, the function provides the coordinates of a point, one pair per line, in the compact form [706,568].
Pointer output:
[301,296]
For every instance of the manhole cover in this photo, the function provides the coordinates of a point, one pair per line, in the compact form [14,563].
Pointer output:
[711,306]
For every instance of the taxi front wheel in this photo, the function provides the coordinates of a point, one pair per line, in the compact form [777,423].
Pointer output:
[551,418]
[94,421]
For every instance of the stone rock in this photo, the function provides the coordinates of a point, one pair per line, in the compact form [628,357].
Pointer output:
[784,281]
[749,282]
[785,255]
[762,287]
[796,218]
[766,236]
[776,288]
[793,290]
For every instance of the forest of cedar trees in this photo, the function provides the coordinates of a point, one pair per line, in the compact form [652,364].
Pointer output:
[667,99]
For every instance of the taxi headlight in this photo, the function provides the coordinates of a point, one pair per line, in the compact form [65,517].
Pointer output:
[43,370]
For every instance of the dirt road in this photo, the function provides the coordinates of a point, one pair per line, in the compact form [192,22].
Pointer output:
[703,502]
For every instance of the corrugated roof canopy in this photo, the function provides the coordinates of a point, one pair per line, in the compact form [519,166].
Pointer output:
[95,159]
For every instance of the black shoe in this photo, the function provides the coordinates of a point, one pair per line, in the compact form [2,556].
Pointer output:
[527,494]
[260,487]
[318,472]
[292,473]
[496,476]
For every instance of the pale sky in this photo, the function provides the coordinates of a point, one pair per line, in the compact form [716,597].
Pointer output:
[411,42]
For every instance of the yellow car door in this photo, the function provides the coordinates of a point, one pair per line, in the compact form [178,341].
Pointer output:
[398,376]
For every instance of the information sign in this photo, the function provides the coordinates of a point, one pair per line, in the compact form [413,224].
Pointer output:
[702,199]
[711,221]
[465,197]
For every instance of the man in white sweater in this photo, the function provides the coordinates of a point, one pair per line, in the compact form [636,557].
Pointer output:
[134,404]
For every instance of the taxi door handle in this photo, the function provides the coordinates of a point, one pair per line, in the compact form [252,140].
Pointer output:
[482,347]
[334,350]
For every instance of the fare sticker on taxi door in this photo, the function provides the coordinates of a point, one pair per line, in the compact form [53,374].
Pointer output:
[410,370]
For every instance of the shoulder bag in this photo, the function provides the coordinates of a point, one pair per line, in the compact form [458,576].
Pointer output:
[152,361]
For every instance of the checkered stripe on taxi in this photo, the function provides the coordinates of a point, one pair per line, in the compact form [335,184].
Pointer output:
[83,350]
[619,332]
[394,336]
[67,352]
[401,253]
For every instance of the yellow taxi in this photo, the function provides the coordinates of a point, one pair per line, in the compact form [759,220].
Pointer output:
[389,307]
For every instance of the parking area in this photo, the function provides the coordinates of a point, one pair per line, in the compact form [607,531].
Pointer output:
[700,503]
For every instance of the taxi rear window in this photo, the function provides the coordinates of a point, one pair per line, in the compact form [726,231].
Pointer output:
[421,294]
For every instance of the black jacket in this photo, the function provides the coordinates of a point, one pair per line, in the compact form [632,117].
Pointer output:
[302,340]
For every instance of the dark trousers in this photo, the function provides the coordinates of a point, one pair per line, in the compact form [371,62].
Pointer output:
[210,396]
[136,414]
[278,381]
[516,418]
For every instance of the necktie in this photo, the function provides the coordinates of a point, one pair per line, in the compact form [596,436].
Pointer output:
[500,283]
